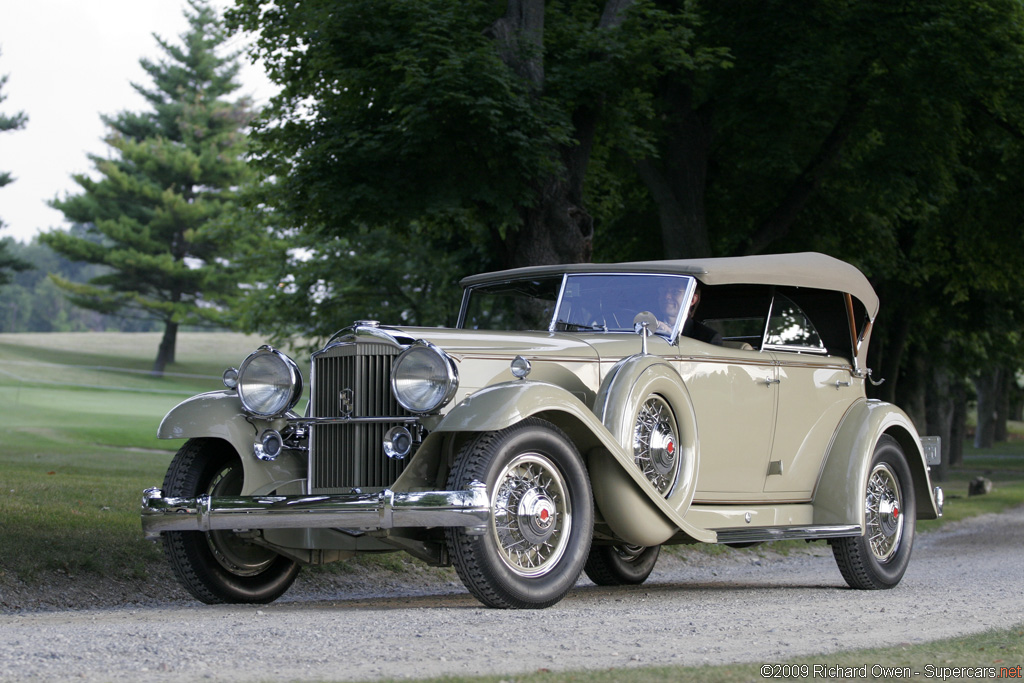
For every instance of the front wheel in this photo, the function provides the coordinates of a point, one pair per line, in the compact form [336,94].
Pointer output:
[878,559]
[621,565]
[219,566]
[542,516]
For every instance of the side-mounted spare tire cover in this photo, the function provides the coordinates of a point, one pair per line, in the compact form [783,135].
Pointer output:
[644,404]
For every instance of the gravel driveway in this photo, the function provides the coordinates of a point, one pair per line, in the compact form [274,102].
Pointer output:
[764,607]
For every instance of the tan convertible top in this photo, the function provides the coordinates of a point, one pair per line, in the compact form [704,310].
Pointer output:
[807,269]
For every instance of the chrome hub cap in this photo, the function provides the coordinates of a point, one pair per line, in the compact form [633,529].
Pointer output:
[536,513]
[655,446]
[884,513]
[532,515]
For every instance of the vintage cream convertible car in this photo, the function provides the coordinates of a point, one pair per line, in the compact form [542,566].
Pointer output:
[577,419]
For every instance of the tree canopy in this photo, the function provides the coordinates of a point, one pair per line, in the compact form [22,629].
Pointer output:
[9,122]
[161,214]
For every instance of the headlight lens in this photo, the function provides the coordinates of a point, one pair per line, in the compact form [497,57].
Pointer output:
[269,382]
[424,378]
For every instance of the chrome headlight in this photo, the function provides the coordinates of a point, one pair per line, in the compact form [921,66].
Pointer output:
[424,378]
[269,382]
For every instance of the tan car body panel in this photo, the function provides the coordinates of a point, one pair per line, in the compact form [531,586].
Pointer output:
[219,415]
[849,461]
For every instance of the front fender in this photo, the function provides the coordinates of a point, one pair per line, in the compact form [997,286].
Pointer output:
[219,415]
[216,414]
[619,401]
[632,507]
[839,494]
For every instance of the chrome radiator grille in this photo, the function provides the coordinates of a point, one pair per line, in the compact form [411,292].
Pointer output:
[343,456]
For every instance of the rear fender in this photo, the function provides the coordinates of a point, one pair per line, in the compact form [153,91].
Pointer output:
[219,415]
[839,494]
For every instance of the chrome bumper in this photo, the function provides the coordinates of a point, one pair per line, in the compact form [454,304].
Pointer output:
[384,510]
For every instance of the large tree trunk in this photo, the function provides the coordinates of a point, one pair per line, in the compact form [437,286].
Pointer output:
[987,384]
[165,354]
[892,330]
[1001,432]
[678,182]
[557,228]
[959,427]
[941,411]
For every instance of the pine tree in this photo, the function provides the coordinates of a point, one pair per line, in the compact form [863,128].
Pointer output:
[8,262]
[164,204]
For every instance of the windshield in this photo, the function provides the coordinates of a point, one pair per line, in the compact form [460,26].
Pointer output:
[578,302]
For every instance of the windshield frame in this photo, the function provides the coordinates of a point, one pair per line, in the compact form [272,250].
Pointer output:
[677,325]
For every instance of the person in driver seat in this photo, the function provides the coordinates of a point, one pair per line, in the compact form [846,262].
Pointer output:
[673,296]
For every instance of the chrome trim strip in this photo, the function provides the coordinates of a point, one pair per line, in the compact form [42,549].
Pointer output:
[748,501]
[404,419]
[788,348]
[384,510]
[763,534]
[558,304]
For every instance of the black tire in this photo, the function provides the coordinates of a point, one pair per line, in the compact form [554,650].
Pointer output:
[219,566]
[621,565]
[878,559]
[532,557]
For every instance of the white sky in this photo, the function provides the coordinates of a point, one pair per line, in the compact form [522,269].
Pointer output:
[68,62]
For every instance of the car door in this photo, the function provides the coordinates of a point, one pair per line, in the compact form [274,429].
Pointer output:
[815,390]
[733,393]
[733,390]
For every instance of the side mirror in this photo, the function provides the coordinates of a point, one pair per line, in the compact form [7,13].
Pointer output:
[644,324]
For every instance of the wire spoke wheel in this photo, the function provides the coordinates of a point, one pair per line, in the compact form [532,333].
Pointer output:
[621,565]
[533,549]
[879,558]
[532,515]
[233,552]
[884,518]
[655,444]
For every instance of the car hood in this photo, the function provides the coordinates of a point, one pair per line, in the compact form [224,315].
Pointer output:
[466,343]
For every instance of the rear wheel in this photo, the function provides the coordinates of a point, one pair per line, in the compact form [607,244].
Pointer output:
[542,516]
[879,558]
[219,566]
[620,565]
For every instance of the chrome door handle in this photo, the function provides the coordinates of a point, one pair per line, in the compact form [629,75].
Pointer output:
[840,383]
[768,381]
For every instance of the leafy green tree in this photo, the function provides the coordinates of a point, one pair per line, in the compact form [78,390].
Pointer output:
[453,129]
[160,215]
[9,122]
[31,302]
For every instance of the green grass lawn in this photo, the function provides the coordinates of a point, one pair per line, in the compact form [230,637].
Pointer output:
[79,420]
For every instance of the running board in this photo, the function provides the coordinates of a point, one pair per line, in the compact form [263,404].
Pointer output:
[786,533]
